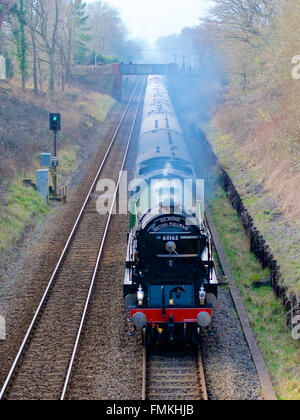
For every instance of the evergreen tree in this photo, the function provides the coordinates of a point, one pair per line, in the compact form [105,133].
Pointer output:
[18,11]
[81,36]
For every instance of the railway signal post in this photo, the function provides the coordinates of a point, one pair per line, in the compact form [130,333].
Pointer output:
[55,126]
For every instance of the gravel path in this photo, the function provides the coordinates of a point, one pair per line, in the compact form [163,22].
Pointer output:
[229,368]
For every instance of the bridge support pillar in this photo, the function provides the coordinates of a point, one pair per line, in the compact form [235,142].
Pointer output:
[117,87]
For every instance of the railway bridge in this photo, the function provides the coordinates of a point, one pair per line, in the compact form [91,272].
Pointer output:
[121,70]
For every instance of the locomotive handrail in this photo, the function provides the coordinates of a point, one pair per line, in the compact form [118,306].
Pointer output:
[177,256]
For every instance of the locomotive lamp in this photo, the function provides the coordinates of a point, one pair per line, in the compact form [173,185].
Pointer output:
[140,296]
[202,296]
[171,247]
[171,302]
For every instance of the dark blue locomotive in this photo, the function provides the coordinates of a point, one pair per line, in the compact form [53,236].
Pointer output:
[170,284]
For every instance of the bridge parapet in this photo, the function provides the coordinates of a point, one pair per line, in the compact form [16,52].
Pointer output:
[120,70]
[147,69]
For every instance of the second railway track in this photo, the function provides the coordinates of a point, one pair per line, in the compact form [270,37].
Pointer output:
[43,365]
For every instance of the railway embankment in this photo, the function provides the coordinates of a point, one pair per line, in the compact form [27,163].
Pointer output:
[24,135]
[260,242]
[27,264]
[257,276]
[275,220]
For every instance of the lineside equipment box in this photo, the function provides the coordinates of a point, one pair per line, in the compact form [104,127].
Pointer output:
[43,183]
[46,160]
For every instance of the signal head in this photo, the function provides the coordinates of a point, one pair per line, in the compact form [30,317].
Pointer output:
[55,122]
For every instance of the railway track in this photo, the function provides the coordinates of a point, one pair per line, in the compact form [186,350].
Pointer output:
[43,366]
[173,375]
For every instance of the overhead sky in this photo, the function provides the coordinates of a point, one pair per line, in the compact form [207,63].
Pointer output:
[150,19]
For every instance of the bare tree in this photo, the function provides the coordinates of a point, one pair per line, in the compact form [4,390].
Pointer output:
[48,13]
[71,29]
[32,26]
[243,20]
[107,28]
[243,29]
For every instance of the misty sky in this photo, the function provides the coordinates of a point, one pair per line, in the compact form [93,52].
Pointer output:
[150,19]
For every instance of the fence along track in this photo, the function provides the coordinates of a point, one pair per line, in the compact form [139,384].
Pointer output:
[173,375]
[43,361]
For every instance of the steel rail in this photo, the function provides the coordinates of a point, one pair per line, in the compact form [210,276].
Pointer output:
[63,254]
[203,395]
[69,373]
[202,375]
[144,383]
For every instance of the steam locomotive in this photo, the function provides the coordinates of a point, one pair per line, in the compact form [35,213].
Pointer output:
[170,285]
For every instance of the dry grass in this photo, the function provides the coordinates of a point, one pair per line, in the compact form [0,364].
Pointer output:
[266,314]
[269,217]
[265,138]
[25,134]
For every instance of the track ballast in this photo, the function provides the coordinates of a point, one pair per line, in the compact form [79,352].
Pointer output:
[43,365]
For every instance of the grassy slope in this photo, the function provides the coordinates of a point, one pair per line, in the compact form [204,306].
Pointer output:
[97,106]
[282,235]
[266,314]
[21,206]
